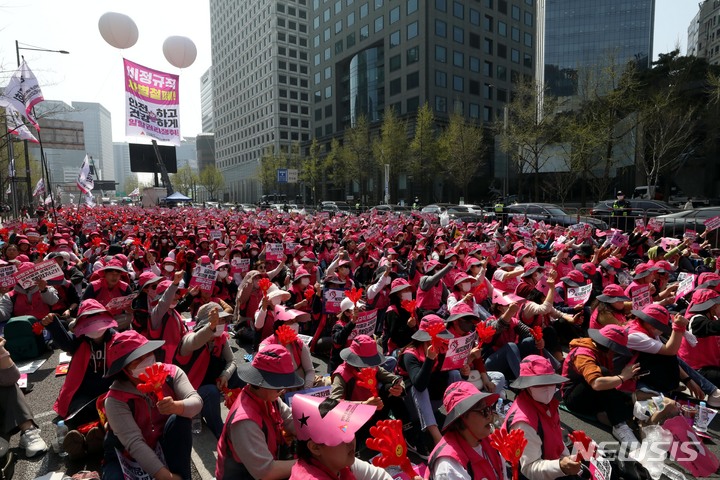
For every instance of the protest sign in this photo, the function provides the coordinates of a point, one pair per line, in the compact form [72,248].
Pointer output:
[458,351]
[215,235]
[542,285]
[488,249]
[691,234]
[686,285]
[640,223]
[239,266]
[518,218]
[712,223]
[529,243]
[119,304]
[618,239]
[578,295]
[45,270]
[331,300]
[7,276]
[655,225]
[290,247]
[641,297]
[203,278]
[365,324]
[274,252]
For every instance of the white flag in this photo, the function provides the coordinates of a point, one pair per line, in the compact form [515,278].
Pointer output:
[90,200]
[23,92]
[48,199]
[9,189]
[15,124]
[39,188]
[85,180]
[11,168]
[135,192]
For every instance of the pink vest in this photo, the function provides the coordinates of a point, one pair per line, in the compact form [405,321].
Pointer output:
[430,299]
[525,409]
[304,470]
[265,415]
[478,467]
[103,294]
[144,409]
[705,354]
[76,372]
[24,306]
[172,330]
[563,268]
[347,373]
[509,335]
[508,285]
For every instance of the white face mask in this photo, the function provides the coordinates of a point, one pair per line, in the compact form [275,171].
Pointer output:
[465,287]
[169,268]
[163,241]
[135,372]
[304,282]
[275,301]
[221,253]
[406,296]
[97,334]
[543,394]
[219,330]
[222,274]
[295,326]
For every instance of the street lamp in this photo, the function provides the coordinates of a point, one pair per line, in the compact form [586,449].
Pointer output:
[25,143]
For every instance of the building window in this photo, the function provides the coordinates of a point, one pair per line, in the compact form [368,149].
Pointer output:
[394,15]
[488,4]
[378,4]
[328,92]
[474,64]
[502,28]
[487,114]
[527,60]
[338,26]
[440,28]
[412,55]
[488,46]
[440,79]
[364,32]
[317,78]
[488,23]
[474,40]
[412,104]
[514,55]
[326,15]
[515,12]
[364,10]
[395,39]
[412,30]
[474,17]
[501,73]
[458,59]
[379,23]
[350,40]
[458,10]
[458,107]
[501,95]
[318,96]
[395,86]
[328,73]
[474,110]
[326,34]
[474,87]
[487,91]
[515,34]
[458,35]
[440,104]
[351,19]
[412,80]
[412,6]
[395,63]
[328,111]
[502,50]
[528,19]
[441,5]
[458,83]
[440,54]
[488,69]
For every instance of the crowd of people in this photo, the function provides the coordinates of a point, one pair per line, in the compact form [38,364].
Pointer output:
[426,324]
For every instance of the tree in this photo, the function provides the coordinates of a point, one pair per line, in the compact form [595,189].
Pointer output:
[334,170]
[357,154]
[530,130]
[267,170]
[131,183]
[462,151]
[185,180]
[424,150]
[212,180]
[391,148]
[311,171]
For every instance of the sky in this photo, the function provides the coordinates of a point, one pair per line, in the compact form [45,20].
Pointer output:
[93,70]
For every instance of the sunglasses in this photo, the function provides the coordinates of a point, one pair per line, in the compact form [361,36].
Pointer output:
[484,411]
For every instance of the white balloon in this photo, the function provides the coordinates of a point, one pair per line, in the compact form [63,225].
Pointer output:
[118,30]
[179,51]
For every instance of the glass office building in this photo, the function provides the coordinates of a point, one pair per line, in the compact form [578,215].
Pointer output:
[582,38]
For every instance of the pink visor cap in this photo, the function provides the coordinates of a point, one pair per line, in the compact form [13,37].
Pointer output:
[338,426]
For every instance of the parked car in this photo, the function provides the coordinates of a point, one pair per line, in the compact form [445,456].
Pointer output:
[383,209]
[436,208]
[552,214]
[468,214]
[638,209]
[675,224]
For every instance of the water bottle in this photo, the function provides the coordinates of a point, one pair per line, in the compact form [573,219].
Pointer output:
[672,473]
[197,424]
[60,431]
[702,418]
[500,413]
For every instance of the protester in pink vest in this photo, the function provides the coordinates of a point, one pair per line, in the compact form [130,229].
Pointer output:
[535,412]
[507,275]
[593,385]
[326,452]
[465,450]
[610,308]
[704,325]
[253,443]
[431,290]
[142,425]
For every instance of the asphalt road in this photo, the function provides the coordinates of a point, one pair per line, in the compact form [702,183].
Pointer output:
[46,387]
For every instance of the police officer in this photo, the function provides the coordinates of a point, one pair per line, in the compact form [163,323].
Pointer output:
[621,208]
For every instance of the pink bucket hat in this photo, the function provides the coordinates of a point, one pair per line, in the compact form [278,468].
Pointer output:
[272,368]
[656,315]
[290,314]
[426,323]
[461,397]
[613,337]
[338,426]
[362,352]
[537,371]
[92,316]
[613,293]
[703,300]
[128,346]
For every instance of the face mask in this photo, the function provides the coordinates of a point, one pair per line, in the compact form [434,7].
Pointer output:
[465,287]
[219,330]
[135,372]
[406,296]
[221,253]
[253,253]
[304,282]
[233,237]
[543,394]
[163,241]
[222,274]
[275,301]
[169,268]
[295,326]
[96,335]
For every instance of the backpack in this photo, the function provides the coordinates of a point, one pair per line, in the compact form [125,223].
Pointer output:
[22,343]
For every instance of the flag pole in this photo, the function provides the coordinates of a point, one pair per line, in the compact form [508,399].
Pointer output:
[11,156]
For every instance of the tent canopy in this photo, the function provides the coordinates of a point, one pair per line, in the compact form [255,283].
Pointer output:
[177,197]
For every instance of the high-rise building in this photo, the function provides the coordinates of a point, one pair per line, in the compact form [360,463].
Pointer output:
[205,145]
[260,89]
[186,153]
[703,34]
[121,154]
[458,56]
[582,39]
[206,102]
